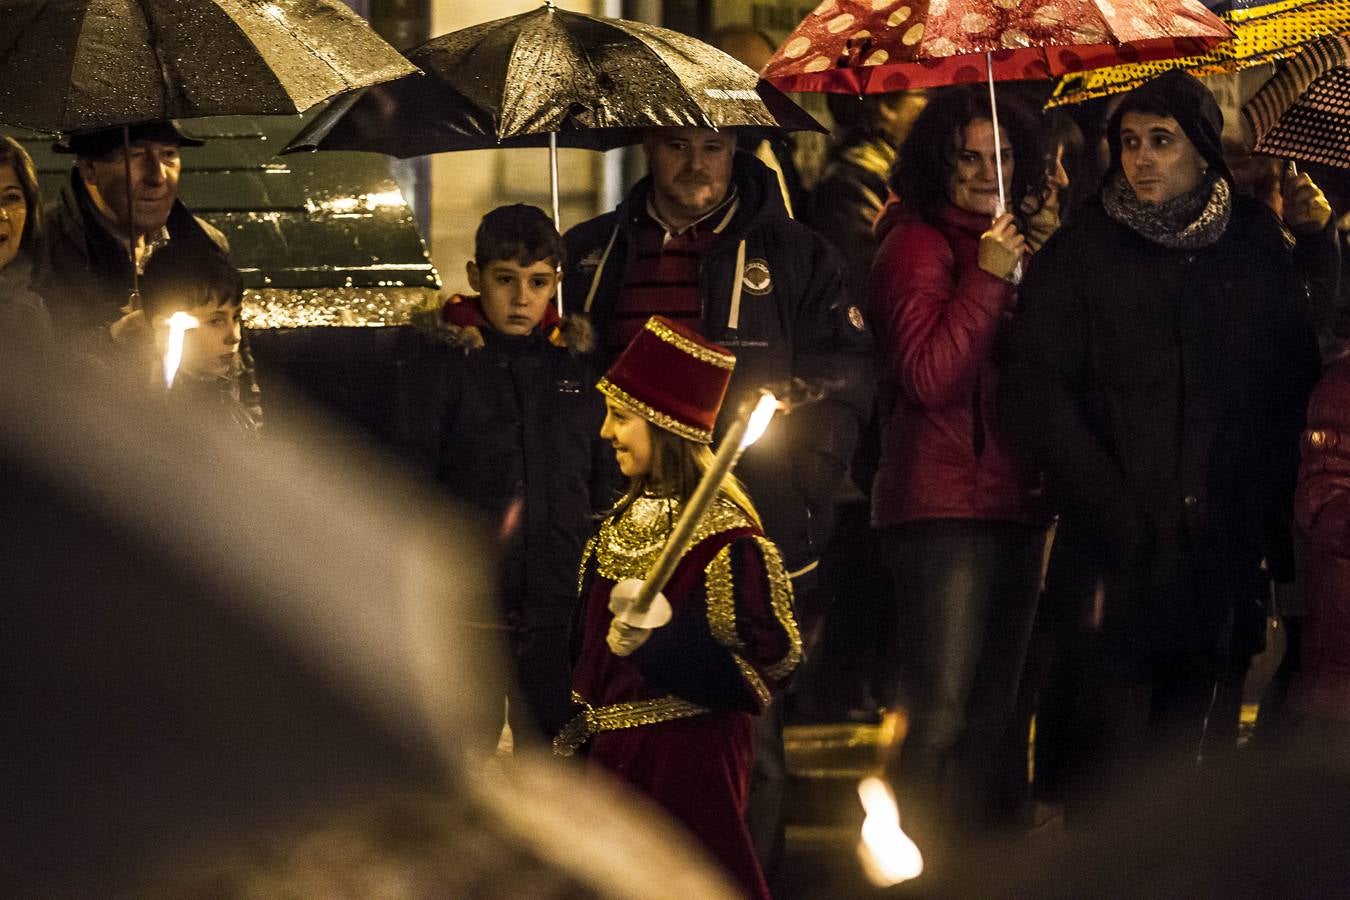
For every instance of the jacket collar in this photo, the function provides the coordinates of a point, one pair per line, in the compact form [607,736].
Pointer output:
[963,220]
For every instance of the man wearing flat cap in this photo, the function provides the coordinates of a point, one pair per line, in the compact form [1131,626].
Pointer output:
[86,275]
[1159,369]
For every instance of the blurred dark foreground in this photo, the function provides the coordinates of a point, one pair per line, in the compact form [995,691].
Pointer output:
[237,670]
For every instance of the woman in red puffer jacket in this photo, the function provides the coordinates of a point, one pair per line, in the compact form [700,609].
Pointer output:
[1322,507]
[961,518]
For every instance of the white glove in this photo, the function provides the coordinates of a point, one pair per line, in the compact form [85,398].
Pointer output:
[625,639]
[630,628]
[621,598]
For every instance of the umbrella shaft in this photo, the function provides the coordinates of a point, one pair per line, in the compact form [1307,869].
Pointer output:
[998,142]
[553,185]
[131,220]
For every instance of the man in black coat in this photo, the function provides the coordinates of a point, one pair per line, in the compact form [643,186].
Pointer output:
[1158,372]
[705,239]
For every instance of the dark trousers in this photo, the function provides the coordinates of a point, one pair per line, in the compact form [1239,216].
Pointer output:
[540,694]
[849,656]
[768,776]
[970,589]
[1138,716]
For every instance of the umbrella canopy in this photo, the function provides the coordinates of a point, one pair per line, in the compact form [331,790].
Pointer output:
[416,116]
[1295,76]
[1263,31]
[1316,128]
[593,82]
[852,46]
[67,65]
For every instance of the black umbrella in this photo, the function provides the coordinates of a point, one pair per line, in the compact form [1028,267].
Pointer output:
[68,65]
[551,78]
[72,65]
[417,116]
[1316,127]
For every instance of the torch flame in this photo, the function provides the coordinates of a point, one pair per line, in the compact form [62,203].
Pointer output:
[888,855]
[179,323]
[759,419]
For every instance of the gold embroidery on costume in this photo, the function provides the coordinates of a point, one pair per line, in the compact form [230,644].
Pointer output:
[752,678]
[722,599]
[627,545]
[594,719]
[780,595]
[585,558]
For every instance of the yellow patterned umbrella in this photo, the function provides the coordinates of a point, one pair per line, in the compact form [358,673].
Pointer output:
[1263,32]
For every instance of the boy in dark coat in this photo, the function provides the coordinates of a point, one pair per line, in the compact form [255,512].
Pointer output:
[509,423]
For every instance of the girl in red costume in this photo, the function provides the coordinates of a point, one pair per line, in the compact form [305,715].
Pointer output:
[669,708]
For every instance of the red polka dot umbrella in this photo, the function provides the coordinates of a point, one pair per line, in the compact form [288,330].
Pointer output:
[875,46]
[878,46]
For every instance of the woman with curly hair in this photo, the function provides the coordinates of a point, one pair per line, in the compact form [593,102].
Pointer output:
[960,517]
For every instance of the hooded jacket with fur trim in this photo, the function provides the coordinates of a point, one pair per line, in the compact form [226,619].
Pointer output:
[511,426]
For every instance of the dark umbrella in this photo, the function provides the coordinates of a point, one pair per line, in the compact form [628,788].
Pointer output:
[417,116]
[551,78]
[1316,128]
[73,65]
[69,65]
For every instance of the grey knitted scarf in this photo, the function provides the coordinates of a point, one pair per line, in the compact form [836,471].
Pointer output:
[1195,219]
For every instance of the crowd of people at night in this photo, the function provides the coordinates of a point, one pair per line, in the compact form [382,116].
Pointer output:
[1079,416]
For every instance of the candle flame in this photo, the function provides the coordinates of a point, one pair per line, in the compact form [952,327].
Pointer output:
[760,418]
[888,855]
[179,323]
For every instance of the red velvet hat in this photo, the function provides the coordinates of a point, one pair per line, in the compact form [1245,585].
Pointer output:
[671,377]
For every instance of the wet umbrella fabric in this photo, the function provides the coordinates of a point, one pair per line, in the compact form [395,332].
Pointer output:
[417,116]
[1263,31]
[1261,113]
[69,65]
[850,46]
[594,82]
[1316,128]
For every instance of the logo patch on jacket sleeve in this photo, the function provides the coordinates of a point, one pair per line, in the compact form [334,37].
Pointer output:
[757,278]
[855,318]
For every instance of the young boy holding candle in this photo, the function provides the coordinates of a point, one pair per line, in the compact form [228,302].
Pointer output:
[668,695]
[202,284]
[505,420]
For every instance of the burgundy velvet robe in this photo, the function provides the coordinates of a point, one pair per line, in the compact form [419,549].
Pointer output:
[726,649]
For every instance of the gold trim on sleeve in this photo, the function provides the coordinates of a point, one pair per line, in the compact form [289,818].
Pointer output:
[780,594]
[585,558]
[722,599]
[752,678]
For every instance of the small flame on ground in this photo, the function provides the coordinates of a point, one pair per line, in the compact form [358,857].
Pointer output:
[179,323]
[888,855]
[759,419]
